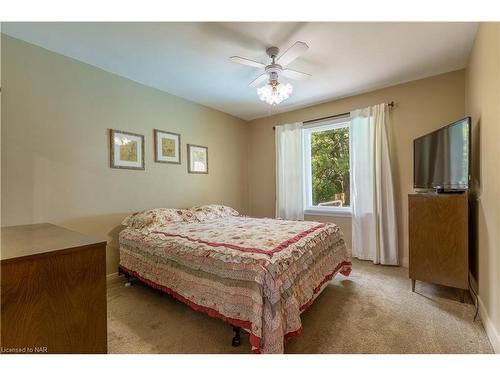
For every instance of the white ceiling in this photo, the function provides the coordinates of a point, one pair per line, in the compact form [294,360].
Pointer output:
[191,60]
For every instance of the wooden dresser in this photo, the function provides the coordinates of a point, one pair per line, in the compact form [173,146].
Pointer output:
[53,291]
[439,239]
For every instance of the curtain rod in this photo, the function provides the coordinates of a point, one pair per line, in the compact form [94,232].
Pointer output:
[391,104]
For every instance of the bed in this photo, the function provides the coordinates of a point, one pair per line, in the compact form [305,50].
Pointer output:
[256,274]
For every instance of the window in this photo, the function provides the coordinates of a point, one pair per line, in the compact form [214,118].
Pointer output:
[327,168]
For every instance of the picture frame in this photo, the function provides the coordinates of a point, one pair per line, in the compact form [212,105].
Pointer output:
[126,150]
[167,146]
[197,159]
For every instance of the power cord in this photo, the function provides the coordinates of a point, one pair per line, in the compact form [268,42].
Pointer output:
[476,299]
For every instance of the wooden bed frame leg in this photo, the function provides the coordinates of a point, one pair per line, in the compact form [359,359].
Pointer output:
[237,336]
[127,276]
[129,280]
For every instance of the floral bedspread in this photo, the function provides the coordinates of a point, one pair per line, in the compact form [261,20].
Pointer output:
[258,274]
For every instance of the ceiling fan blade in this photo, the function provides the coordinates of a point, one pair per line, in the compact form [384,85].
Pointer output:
[292,53]
[257,81]
[242,60]
[295,74]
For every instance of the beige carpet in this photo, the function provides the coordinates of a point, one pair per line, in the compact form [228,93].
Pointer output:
[371,311]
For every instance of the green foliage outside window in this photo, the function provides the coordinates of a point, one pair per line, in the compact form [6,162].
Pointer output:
[330,167]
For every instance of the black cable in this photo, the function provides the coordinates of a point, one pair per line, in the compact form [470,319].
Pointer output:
[476,298]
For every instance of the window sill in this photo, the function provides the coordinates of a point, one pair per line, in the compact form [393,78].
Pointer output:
[339,212]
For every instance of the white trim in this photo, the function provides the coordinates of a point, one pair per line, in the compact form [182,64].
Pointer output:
[326,122]
[306,141]
[324,126]
[337,123]
[321,211]
[112,276]
[489,327]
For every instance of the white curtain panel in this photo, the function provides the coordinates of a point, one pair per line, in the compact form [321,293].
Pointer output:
[289,172]
[374,229]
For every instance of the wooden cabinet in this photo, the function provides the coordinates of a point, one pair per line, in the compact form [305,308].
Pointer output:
[438,239]
[53,291]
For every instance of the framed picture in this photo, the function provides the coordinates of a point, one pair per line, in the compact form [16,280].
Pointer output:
[167,147]
[197,159]
[127,150]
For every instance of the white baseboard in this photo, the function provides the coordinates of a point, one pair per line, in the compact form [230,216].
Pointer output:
[112,276]
[489,327]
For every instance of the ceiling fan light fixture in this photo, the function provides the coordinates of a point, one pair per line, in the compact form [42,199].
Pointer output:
[274,92]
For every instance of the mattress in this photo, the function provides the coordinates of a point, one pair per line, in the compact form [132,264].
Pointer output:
[257,274]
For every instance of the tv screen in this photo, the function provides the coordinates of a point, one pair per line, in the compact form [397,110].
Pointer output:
[441,159]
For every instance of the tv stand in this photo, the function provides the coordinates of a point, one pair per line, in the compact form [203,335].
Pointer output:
[439,239]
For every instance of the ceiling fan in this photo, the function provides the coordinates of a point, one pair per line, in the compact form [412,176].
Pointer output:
[274,92]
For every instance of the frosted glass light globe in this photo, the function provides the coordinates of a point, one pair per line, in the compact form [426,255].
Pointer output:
[274,93]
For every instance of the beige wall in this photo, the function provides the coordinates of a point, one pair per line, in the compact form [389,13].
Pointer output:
[483,104]
[55,144]
[421,106]
[55,120]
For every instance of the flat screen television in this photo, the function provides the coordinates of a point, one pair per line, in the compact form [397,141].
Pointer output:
[441,159]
